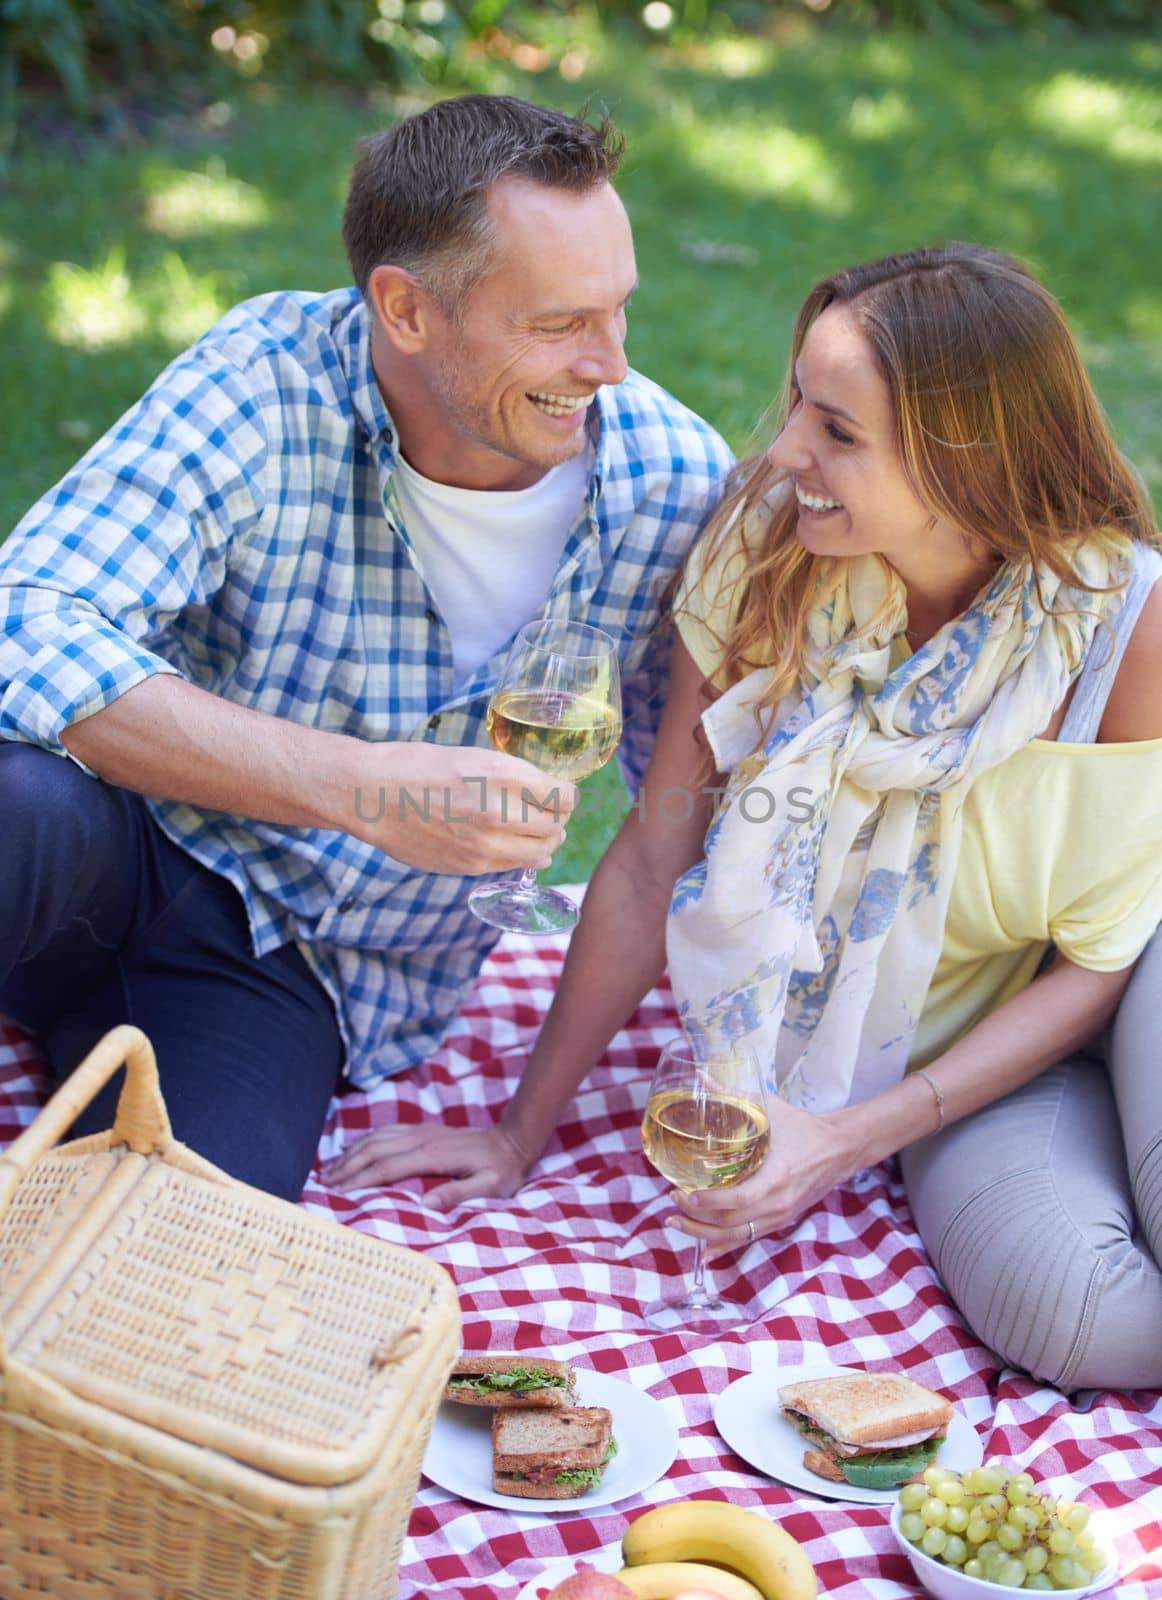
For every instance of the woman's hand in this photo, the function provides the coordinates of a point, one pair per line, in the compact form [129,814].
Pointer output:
[807,1158]
[481,1161]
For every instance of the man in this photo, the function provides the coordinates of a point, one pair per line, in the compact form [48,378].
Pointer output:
[263,616]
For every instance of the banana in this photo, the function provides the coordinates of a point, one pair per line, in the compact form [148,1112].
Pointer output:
[713,1530]
[661,1580]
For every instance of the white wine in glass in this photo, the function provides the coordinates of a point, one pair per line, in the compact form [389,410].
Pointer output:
[566,735]
[705,1127]
[558,706]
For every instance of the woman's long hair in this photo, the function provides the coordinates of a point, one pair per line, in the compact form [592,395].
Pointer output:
[997,427]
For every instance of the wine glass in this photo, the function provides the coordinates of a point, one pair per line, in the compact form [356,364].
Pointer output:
[705,1127]
[558,705]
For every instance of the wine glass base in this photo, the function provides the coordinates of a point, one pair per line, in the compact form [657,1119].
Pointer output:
[695,1314]
[517,910]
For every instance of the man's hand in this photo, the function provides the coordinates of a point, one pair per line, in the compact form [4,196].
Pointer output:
[483,1162]
[807,1159]
[438,808]
[446,808]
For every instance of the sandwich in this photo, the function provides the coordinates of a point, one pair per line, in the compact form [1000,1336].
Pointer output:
[875,1430]
[551,1455]
[511,1380]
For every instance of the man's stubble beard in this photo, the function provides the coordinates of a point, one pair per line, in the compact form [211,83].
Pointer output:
[475,422]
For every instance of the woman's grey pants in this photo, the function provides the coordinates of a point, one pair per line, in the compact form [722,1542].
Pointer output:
[1042,1213]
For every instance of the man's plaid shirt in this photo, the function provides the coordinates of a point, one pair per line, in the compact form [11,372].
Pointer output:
[238,526]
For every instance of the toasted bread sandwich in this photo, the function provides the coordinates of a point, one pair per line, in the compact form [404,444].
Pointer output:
[551,1455]
[511,1380]
[872,1429]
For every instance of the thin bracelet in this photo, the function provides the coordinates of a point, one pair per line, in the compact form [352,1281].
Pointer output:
[938,1092]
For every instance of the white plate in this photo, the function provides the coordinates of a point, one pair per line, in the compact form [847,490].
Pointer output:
[459,1454]
[748,1417]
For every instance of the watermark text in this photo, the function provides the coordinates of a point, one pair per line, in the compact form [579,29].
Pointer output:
[674,805]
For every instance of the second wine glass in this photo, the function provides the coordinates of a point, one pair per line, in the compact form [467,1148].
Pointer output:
[557,705]
[705,1127]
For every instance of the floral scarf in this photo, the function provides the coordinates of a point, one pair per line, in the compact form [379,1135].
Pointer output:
[812,926]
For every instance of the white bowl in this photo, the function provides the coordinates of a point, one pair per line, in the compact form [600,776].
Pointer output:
[949,1583]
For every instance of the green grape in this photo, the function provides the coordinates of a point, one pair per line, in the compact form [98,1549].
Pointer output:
[992,1567]
[1036,1558]
[977,1531]
[1062,1542]
[1067,1573]
[1074,1516]
[1092,1559]
[950,1491]
[1009,1538]
[1011,1572]
[1038,1580]
[1016,1492]
[955,1550]
[989,1551]
[1024,1518]
[973,1568]
[994,1506]
[933,1541]
[912,1496]
[935,1514]
[957,1519]
[933,1475]
[912,1527]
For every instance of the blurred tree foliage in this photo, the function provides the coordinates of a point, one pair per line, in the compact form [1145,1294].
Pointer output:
[96,56]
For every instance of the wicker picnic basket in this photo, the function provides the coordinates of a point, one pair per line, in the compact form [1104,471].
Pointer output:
[205,1393]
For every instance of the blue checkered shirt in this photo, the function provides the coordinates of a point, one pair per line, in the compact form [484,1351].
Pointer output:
[238,526]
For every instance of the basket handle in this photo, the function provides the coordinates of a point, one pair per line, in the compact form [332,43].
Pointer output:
[142,1121]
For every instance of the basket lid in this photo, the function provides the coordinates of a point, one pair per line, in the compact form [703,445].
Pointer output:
[227,1318]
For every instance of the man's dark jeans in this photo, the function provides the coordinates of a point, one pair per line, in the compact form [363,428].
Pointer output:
[103,920]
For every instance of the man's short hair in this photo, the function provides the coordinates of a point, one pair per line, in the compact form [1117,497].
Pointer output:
[418,192]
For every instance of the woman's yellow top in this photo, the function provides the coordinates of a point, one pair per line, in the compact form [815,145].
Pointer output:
[1062,846]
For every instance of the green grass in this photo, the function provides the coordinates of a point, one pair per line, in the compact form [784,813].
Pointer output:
[798,155]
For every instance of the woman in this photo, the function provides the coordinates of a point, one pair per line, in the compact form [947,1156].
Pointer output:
[921,641]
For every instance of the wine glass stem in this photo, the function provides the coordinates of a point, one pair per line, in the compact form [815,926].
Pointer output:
[528,881]
[698,1283]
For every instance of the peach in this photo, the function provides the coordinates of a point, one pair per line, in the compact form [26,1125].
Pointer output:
[591,1586]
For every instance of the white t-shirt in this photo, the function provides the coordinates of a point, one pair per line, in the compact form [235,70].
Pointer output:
[488,556]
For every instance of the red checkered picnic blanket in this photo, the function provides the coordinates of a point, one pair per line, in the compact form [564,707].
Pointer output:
[568,1263]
